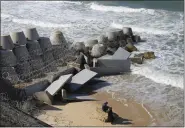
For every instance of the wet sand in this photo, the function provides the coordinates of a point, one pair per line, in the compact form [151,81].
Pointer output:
[88,113]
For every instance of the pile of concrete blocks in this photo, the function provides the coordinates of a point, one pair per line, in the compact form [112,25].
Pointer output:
[68,82]
[8,60]
[47,57]
[23,67]
[109,54]
[35,52]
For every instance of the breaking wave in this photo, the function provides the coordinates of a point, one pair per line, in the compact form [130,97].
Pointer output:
[104,8]
[138,29]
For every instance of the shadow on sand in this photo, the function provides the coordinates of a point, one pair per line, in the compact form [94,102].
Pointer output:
[120,120]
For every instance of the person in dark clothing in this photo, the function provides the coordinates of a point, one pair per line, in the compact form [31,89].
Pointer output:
[110,115]
[105,107]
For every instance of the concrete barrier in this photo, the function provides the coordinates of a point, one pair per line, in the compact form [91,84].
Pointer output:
[7,58]
[18,38]
[31,34]
[45,44]
[34,48]
[21,53]
[6,42]
[8,73]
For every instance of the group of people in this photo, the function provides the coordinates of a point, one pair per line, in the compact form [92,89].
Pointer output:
[108,110]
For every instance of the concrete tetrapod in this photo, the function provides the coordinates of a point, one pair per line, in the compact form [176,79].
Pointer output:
[102,39]
[6,42]
[31,34]
[45,44]
[34,48]
[18,38]
[90,43]
[7,58]
[21,53]
[79,46]
[127,31]
[98,50]
[57,38]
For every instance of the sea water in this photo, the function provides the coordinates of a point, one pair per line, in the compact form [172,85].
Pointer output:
[158,82]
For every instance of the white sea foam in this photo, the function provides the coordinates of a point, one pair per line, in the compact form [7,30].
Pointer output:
[40,23]
[159,76]
[139,29]
[3,15]
[104,8]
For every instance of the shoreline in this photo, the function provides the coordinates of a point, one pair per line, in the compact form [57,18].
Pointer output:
[87,113]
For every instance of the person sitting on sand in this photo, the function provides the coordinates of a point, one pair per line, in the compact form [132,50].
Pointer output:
[105,107]
[110,115]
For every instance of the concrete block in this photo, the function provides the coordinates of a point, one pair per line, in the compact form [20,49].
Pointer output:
[98,50]
[48,58]
[37,87]
[112,36]
[80,79]
[121,54]
[58,84]
[102,39]
[105,57]
[6,42]
[64,94]
[79,46]
[18,38]
[104,71]
[57,38]
[34,48]
[7,58]
[127,31]
[124,65]
[44,97]
[90,43]
[31,34]
[21,53]
[65,72]
[45,44]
